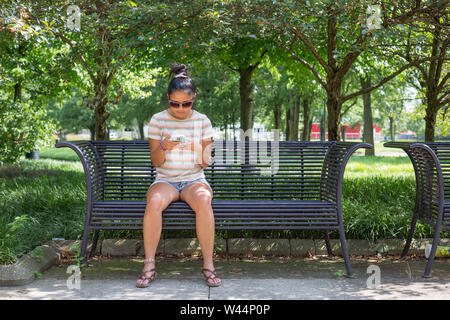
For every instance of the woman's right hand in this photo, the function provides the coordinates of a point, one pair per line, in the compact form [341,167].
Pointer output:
[168,144]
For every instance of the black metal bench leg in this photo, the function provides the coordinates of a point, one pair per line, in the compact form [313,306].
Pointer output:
[410,236]
[94,243]
[328,244]
[427,273]
[84,244]
[345,252]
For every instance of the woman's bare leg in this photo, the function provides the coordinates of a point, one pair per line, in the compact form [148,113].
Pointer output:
[198,196]
[159,196]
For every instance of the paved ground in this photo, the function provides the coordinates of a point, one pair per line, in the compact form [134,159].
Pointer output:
[252,279]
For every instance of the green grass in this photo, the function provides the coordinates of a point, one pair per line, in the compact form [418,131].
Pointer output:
[47,198]
[59,154]
[367,166]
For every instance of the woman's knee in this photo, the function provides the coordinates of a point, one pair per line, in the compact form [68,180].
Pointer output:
[203,202]
[156,202]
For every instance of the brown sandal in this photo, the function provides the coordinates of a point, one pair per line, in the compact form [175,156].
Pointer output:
[212,276]
[145,277]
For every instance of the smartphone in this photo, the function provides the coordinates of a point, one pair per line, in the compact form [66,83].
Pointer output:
[179,138]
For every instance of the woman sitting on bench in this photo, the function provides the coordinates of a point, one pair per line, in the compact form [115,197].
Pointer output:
[180,147]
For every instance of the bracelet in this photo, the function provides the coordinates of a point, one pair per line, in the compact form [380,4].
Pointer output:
[160,146]
[149,260]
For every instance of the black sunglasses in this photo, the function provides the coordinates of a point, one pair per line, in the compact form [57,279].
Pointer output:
[186,104]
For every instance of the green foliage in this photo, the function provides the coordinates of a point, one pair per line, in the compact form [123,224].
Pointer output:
[39,203]
[378,207]
[70,112]
[12,242]
[37,254]
[23,128]
[443,121]
[76,247]
[216,93]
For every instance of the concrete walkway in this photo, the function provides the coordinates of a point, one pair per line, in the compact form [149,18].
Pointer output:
[243,279]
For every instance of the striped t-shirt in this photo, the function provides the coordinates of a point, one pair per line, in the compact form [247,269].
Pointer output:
[180,164]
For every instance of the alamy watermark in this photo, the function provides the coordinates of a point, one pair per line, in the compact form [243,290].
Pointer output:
[374,280]
[373,21]
[73,17]
[262,154]
[74,280]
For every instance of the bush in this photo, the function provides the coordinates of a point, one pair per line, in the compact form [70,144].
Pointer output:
[23,128]
[11,237]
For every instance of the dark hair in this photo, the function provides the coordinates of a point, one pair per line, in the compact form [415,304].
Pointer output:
[181,81]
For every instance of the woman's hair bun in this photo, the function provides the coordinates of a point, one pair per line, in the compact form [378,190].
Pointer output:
[181,81]
[178,69]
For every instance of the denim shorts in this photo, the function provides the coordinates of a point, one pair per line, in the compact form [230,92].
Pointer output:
[180,185]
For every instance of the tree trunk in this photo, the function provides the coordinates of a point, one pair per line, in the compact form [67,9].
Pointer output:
[277,115]
[430,119]
[343,132]
[368,120]
[225,126]
[323,123]
[288,123]
[246,92]
[334,107]
[292,118]
[101,114]
[92,131]
[100,102]
[18,92]
[103,77]
[432,85]
[18,85]
[392,127]
[306,133]
[295,118]
[141,131]
[334,81]
[334,86]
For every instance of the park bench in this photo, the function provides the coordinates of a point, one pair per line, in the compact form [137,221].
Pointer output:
[260,185]
[431,162]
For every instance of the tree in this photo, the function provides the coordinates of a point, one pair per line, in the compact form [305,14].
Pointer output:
[347,32]
[69,115]
[391,101]
[243,55]
[272,95]
[431,38]
[216,93]
[112,37]
[32,72]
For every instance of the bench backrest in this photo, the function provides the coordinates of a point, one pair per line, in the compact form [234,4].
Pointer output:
[442,151]
[250,170]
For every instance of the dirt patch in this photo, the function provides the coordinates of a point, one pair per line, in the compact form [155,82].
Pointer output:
[259,257]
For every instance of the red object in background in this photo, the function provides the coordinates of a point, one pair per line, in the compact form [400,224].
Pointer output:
[350,133]
[315,131]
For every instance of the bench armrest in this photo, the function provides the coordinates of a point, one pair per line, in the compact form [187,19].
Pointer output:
[429,179]
[401,145]
[333,169]
[430,183]
[93,170]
